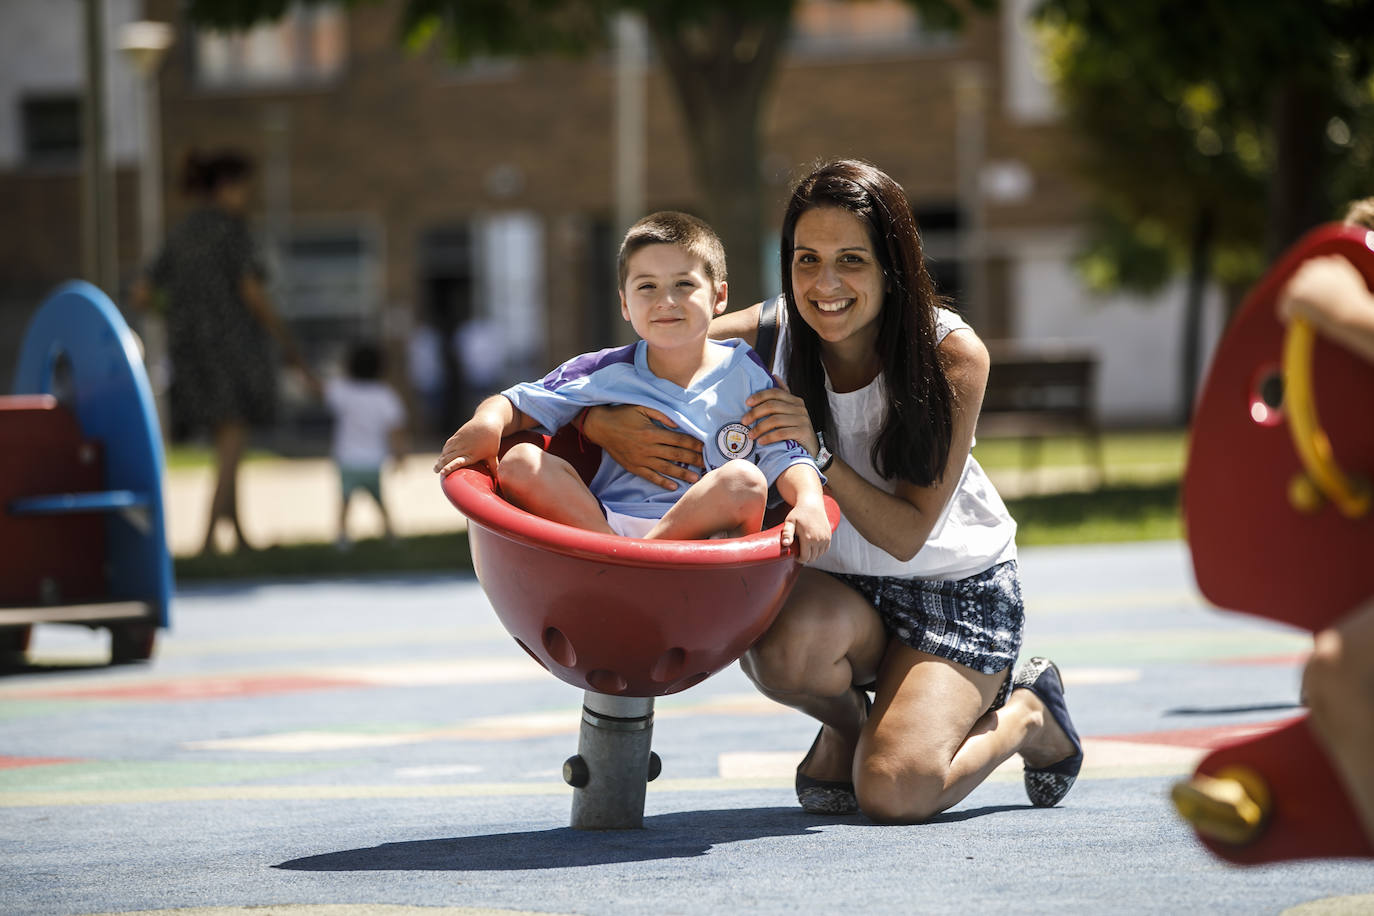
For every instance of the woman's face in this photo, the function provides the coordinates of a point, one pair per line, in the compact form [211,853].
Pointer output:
[836,278]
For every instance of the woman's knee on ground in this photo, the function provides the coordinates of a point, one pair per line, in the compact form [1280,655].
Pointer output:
[892,789]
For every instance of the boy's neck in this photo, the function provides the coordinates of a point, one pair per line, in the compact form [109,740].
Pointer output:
[681,365]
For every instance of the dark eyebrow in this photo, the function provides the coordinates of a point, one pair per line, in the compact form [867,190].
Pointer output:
[864,248]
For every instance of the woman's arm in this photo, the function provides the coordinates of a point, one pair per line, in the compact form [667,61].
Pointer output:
[898,523]
[642,446]
[743,324]
[255,297]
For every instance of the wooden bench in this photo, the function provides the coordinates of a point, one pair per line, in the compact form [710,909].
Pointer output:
[1041,389]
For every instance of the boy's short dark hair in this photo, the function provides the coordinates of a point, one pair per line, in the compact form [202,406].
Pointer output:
[670,227]
[1360,213]
[365,362]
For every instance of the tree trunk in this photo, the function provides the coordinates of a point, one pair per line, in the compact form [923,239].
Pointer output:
[721,70]
[1199,269]
[1297,201]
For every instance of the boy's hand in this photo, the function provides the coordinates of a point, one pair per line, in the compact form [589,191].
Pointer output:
[476,441]
[808,526]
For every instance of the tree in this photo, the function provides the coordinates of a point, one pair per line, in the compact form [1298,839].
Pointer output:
[720,57]
[1211,131]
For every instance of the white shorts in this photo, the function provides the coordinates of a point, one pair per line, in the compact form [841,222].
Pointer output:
[628,526]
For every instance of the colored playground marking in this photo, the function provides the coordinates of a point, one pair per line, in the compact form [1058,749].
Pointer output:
[208,688]
[170,688]
[332,909]
[1102,759]
[14,763]
[1352,905]
[1209,738]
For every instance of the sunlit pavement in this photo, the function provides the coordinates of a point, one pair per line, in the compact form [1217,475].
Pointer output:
[373,746]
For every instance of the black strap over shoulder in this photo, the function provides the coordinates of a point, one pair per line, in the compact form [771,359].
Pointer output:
[767,339]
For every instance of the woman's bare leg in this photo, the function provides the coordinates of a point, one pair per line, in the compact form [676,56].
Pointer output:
[230,439]
[825,640]
[931,739]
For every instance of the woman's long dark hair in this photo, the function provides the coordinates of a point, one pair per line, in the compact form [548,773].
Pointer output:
[914,441]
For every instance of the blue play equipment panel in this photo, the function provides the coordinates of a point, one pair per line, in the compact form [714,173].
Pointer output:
[82,527]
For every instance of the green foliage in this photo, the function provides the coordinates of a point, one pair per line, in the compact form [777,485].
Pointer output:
[1174,100]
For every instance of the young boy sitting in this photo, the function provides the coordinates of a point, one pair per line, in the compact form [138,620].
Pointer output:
[672,283]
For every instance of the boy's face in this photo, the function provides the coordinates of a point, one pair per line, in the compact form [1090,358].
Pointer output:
[668,297]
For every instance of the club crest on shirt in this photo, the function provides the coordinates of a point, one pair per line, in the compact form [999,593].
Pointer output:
[733,440]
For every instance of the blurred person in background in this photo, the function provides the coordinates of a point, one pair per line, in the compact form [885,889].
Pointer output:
[425,368]
[1338,681]
[369,425]
[221,325]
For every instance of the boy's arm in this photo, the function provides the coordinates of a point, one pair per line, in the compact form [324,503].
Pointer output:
[807,523]
[479,439]
[1331,293]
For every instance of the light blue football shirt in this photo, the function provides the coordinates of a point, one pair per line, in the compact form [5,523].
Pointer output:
[710,410]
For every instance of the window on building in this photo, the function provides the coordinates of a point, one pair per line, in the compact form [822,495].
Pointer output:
[330,274]
[849,27]
[51,130]
[308,46]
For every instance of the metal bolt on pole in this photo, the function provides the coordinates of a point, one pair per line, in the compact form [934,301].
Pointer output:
[614,763]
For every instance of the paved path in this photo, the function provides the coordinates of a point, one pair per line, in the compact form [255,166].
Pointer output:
[284,501]
[335,748]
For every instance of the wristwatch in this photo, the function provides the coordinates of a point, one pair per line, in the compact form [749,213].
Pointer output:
[823,457]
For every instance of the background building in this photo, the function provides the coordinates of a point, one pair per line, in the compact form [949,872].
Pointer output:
[399,190]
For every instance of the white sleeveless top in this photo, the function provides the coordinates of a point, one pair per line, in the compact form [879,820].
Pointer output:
[974,531]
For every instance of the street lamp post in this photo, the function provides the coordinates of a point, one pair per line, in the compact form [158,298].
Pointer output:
[145,46]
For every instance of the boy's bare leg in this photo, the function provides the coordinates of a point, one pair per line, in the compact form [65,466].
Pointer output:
[729,500]
[549,487]
[1338,684]
[342,539]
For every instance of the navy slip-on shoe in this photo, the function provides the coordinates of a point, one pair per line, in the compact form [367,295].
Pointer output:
[1047,786]
[827,796]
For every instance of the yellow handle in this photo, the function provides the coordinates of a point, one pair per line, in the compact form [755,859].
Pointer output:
[1351,496]
[1231,807]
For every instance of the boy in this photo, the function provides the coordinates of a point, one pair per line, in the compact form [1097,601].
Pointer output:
[368,424]
[672,283]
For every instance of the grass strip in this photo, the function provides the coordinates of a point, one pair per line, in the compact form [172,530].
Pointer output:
[1114,513]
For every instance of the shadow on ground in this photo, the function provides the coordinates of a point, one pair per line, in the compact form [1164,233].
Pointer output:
[667,836]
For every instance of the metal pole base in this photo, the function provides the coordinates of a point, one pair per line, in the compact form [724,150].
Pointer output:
[613,765]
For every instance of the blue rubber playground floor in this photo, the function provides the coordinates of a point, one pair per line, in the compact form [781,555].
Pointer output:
[379,746]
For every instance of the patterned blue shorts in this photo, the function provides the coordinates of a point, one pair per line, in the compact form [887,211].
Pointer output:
[975,622]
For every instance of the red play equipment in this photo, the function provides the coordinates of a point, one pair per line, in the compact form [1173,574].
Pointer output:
[624,619]
[1279,523]
[620,616]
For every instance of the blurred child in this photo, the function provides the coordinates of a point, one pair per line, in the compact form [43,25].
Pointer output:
[1338,681]
[672,283]
[368,425]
